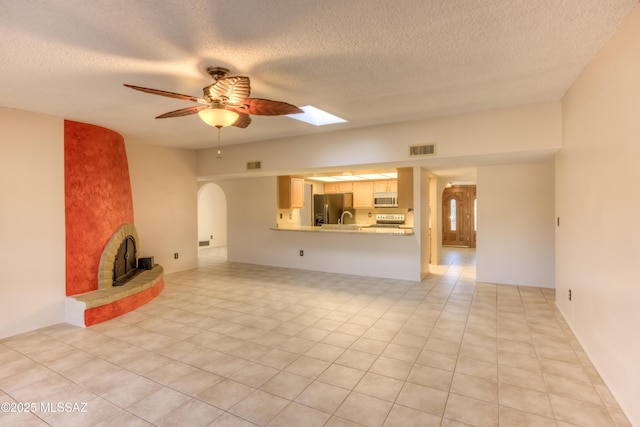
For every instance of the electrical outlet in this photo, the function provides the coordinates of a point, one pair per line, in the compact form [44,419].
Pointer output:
[301,252]
[569,294]
[211,237]
[175,255]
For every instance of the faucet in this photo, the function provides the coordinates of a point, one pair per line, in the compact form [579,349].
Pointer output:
[342,216]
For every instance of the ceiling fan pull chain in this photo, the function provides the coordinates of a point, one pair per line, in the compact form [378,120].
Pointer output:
[219,156]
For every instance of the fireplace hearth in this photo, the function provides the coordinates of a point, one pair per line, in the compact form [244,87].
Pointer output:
[114,297]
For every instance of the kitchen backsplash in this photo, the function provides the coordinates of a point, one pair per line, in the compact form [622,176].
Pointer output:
[368,216]
[362,216]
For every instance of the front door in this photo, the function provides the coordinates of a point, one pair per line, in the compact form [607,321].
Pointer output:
[458,216]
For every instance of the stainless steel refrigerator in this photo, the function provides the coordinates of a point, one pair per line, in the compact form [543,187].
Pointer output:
[327,208]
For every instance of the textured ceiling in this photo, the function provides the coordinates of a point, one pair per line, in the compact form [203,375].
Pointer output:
[368,61]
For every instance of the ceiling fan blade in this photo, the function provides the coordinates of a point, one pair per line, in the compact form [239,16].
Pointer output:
[266,107]
[232,90]
[169,94]
[182,112]
[243,121]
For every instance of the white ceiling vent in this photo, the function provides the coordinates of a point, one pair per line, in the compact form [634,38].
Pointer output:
[254,165]
[423,150]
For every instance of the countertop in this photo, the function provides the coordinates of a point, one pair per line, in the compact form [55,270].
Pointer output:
[363,229]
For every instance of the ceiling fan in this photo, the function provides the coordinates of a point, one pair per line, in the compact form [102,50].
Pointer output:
[225,102]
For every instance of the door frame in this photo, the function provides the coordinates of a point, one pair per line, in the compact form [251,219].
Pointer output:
[465,214]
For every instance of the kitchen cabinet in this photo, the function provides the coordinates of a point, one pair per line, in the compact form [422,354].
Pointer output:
[338,187]
[405,188]
[345,187]
[290,192]
[331,187]
[385,186]
[363,194]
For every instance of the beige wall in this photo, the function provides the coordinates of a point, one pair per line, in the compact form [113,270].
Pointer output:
[164,188]
[598,203]
[515,239]
[527,129]
[32,228]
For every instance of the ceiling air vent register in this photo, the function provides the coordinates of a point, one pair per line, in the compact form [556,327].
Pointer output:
[423,150]
[254,165]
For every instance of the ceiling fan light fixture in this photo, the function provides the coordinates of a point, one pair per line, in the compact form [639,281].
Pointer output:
[224,103]
[218,116]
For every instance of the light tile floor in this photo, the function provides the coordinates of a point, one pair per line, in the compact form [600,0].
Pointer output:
[243,345]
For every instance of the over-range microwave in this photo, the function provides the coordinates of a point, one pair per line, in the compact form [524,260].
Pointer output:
[387,199]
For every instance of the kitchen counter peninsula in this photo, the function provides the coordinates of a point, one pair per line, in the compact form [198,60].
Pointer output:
[346,228]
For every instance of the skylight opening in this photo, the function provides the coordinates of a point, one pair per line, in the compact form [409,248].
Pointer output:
[316,117]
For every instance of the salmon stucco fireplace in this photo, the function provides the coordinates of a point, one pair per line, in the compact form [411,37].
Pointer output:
[122,287]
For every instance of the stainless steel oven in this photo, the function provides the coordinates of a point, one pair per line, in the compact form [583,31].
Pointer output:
[389,220]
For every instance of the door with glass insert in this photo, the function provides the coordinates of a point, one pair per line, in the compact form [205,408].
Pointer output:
[459,216]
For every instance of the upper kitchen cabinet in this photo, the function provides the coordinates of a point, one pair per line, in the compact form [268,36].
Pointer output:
[385,186]
[362,194]
[290,192]
[331,187]
[405,188]
[345,187]
[338,187]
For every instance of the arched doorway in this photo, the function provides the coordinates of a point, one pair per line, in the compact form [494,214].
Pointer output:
[212,221]
[459,207]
